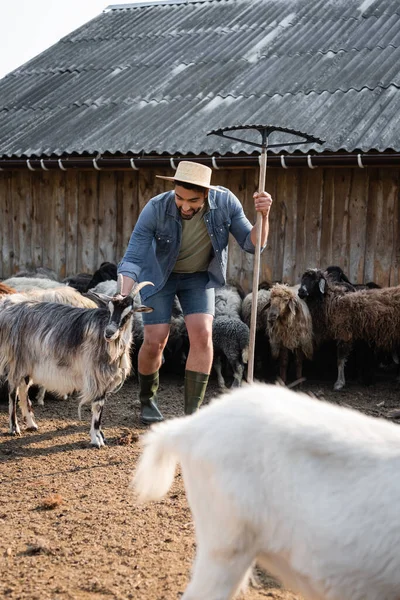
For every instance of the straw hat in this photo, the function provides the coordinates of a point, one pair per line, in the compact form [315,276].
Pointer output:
[192,172]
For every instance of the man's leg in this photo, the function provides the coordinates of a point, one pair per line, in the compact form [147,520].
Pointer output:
[198,365]
[150,356]
[156,331]
[150,353]
[198,305]
[199,327]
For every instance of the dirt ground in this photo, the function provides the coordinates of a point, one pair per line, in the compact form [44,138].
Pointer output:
[69,525]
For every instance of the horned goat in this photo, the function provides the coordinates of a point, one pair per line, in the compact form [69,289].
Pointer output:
[61,295]
[289,328]
[305,488]
[66,349]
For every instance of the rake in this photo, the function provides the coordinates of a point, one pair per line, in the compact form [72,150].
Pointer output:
[265,131]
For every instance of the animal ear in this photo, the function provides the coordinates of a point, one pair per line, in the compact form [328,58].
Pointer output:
[322,283]
[292,307]
[144,309]
[100,299]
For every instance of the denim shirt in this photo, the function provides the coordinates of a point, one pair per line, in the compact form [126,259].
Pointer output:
[156,239]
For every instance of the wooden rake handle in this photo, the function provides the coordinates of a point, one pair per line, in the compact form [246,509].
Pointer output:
[256,270]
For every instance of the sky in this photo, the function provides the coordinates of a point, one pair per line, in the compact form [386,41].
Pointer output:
[27,27]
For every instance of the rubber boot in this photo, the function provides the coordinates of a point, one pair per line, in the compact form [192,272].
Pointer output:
[195,389]
[148,386]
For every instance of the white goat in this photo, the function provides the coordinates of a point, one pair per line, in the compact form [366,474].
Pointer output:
[307,489]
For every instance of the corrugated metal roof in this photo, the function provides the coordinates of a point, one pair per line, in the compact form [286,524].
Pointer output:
[156,78]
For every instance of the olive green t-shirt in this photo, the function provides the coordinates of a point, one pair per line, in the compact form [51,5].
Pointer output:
[195,252]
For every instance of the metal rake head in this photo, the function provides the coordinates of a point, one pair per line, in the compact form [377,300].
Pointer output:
[265,131]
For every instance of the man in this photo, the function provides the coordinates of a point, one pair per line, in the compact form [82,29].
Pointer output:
[180,244]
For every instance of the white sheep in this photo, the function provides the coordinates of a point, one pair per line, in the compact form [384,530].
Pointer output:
[24,284]
[307,489]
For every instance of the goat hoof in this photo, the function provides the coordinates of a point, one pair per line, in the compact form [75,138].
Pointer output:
[32,428]
[98,440]
[15,431]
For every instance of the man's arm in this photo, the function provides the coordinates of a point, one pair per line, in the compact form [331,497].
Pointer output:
[241,228]
[262,203]
[137,251]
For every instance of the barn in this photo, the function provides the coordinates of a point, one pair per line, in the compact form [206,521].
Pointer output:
[86,125]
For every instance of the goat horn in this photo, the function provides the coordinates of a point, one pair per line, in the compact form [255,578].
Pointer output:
[138,286]
[119,284]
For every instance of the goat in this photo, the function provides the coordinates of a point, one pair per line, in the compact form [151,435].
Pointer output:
[66,349]
[305,488]
[289,328]
[61,295]
[108,287]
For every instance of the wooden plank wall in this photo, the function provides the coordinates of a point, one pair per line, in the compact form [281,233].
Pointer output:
[72,221]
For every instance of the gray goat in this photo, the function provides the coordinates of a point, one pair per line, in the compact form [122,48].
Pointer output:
[64,349]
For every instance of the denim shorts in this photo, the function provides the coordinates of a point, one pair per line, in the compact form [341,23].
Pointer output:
[192,293]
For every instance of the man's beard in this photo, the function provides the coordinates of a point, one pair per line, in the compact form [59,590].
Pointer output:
[193,212]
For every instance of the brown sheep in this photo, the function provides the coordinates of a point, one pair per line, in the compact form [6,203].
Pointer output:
[370,315]
[289,328]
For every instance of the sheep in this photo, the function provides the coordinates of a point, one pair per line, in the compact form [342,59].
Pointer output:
[85,281]
[371,316]
[80,281]
[305,488]
[106,272]
[228,302]
[24,284]
[177,348]
[230,335]
[39,272]
[231,339]
[337,275]
[289,328]
[63,349]
[61,295]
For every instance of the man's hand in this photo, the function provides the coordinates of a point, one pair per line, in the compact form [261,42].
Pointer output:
[262,202]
